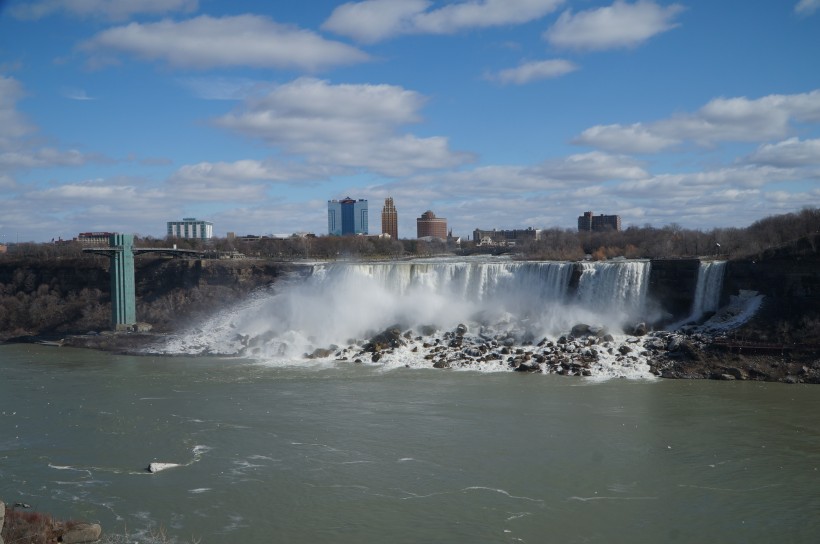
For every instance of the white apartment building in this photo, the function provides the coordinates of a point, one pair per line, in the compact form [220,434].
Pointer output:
[190,227]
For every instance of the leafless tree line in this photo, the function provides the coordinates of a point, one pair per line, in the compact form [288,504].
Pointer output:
[670,241]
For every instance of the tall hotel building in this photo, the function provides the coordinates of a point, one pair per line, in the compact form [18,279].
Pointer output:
[189,227]
[346,216]
[390,219]
[430,225]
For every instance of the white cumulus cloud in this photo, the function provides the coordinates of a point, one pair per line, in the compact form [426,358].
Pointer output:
[620,25]
[249,170]
[807,7]
[533,71]
[371,21]
[219,42]
[737,119]
[354,126]
[792,152]
[12,123]
[634,138]
[592,167]
[375,20]
[109,9]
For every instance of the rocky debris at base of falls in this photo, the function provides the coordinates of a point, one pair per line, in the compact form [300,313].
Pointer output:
[586,350]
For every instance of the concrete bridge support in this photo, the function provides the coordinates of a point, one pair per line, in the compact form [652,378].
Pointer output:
[123,297]
[120,253]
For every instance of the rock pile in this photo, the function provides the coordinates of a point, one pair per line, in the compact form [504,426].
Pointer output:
[585,351]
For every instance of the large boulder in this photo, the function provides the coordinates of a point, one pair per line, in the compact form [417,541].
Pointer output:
[581,329]
[82,532]
[319,353]
[391,337]
[528,367]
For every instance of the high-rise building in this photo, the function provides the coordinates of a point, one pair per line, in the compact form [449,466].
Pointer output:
[189,227]
[390,219]
[430,225]
[589,222]
[346,216]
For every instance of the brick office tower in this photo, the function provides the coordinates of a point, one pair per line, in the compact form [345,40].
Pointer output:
[430,225]
[390,219]
[589,222]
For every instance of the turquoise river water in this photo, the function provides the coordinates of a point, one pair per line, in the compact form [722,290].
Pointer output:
[338,453]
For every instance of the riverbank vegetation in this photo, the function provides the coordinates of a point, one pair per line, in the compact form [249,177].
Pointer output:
[32,527]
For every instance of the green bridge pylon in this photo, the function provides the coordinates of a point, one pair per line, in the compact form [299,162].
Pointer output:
[123,297]
[120,252]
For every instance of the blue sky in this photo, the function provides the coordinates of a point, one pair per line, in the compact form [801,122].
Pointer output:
[120,115]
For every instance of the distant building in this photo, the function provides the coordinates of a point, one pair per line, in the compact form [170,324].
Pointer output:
[94,238]
[390,219]
[430,225]
[190,227]
[346,216]
[505,237]
[589,222]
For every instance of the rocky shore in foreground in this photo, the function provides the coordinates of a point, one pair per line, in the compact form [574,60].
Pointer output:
[18,525]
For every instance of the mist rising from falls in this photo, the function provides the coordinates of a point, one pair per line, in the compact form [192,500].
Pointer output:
[342,303]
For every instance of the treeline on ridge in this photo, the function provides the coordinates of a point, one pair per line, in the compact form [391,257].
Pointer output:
[646,242]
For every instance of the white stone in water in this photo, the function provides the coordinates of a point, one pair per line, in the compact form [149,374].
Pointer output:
[156,467]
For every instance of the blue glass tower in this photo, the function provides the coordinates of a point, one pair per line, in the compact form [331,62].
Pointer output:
[346,216]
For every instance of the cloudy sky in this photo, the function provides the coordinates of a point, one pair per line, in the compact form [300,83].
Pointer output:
[120,115]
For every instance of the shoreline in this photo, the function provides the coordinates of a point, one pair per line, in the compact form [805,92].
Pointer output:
[669,355]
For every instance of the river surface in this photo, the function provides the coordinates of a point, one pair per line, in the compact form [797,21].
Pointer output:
[337,453]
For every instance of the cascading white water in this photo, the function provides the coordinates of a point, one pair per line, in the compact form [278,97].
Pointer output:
[615,289]
[708,289]
[342,303]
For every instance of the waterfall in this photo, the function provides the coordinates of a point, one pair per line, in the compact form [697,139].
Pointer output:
[708,289]
[615,287]
[342,303]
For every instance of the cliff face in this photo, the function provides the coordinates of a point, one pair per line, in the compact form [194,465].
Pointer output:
[672,284]
[789,277]
[73,295]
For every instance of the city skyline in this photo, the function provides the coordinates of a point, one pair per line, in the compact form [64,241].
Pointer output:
[115,116]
